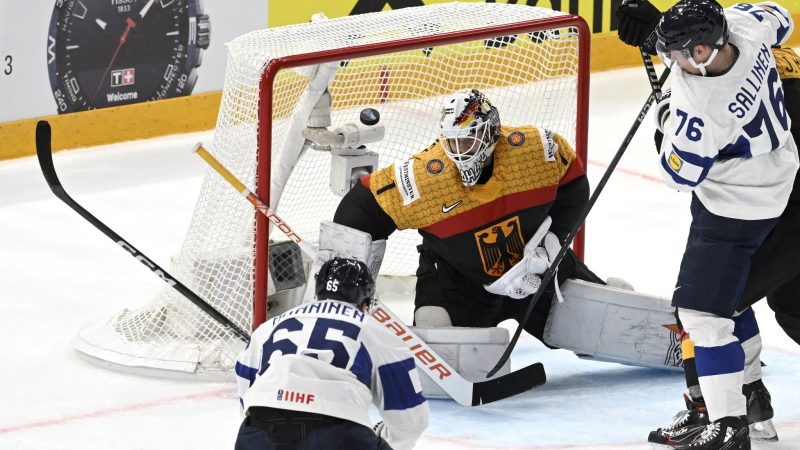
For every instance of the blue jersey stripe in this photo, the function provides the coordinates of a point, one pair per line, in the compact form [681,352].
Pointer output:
[362,366]
[398,390]
[746,326]
[687,157]
[719,360]
[738,149]
[248,373]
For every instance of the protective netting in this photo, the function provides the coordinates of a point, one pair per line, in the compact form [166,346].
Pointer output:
[531,77]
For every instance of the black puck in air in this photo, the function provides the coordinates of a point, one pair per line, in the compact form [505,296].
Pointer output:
[369,116]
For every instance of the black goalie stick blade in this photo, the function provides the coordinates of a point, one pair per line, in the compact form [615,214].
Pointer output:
[508,385]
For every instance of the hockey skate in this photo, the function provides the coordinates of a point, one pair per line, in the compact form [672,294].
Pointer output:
[685,426]
[728,433]
[759,411]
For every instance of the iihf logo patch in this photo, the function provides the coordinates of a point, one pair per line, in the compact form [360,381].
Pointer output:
[280,394]
[435,166]
[516,138]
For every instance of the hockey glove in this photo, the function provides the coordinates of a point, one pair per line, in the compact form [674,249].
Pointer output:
[524,279]
[661,115]
[637,21]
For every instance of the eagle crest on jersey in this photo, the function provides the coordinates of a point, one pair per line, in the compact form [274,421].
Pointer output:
[482,228]
[501,246]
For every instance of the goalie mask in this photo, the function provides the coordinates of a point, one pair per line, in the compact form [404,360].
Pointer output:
[346,280]
[470,127]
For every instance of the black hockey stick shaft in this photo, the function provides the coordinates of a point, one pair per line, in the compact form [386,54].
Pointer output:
[45,155]
[655,93]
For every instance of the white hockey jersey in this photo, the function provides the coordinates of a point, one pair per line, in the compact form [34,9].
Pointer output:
[727,136]
[329,358]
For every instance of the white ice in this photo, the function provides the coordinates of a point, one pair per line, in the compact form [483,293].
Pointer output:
[59,273]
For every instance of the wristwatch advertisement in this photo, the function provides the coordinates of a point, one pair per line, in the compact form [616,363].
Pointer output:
[67,56]
[104,53]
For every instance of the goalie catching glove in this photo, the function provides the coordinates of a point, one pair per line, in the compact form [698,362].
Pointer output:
[524,278]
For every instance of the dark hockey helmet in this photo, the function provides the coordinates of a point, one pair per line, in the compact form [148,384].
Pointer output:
[346,280]
[690,23]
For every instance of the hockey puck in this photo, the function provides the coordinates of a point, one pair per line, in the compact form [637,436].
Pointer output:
[369,116]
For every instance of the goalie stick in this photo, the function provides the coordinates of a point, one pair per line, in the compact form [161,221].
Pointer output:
[45,155]
[655,94]
[464,392]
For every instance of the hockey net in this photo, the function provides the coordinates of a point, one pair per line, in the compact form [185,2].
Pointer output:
[531,62]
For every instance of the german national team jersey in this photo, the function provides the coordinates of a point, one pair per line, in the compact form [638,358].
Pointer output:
[727,136]
[480,230]
[329,358]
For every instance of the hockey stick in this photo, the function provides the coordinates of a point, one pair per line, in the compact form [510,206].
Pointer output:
[464,392]
[655,93]
[253,198]
[45,155]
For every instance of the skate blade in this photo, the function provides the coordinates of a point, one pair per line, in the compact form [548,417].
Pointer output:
[763,431]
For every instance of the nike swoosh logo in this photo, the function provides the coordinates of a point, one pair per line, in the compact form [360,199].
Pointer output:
[446,209]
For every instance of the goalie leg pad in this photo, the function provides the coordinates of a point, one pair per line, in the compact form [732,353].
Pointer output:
[470,351]
[616,325]
[432,316]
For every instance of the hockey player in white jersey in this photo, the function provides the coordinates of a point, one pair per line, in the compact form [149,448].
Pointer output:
[725,137]
[308,376]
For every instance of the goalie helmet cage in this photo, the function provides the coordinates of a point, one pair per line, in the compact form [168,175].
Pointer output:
[532,62]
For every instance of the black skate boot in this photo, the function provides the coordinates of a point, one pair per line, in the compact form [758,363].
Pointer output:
[759,411]
[728,433]
[685,426]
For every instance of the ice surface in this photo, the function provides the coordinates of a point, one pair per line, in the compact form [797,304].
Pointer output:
[59,273]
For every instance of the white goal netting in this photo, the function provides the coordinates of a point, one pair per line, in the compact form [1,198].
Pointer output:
[528,60]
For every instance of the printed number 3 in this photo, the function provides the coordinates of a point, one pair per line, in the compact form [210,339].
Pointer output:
[8,69]
[692,128]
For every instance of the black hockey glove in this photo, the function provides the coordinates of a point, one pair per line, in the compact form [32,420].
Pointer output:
[637,21]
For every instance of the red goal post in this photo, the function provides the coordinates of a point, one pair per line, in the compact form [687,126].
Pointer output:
[533,64]
[415,43]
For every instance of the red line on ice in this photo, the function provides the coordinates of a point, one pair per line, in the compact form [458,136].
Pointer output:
[220,393]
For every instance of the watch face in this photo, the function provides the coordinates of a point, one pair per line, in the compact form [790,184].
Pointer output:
[113,52]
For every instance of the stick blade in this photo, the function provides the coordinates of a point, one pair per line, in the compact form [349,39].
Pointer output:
[44,153]
[509,385]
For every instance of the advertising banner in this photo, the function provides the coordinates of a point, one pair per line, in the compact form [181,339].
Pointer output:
[64,56]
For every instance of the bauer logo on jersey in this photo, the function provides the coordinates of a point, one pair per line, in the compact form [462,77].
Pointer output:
[516,138]
[435,166]
[404,174]
[500,246]
[548,144]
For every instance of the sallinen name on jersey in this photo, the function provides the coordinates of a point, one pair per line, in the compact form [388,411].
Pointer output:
[744,99]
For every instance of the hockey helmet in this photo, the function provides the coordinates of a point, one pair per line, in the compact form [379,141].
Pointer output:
[470,127]
[690,23]
[346,280]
